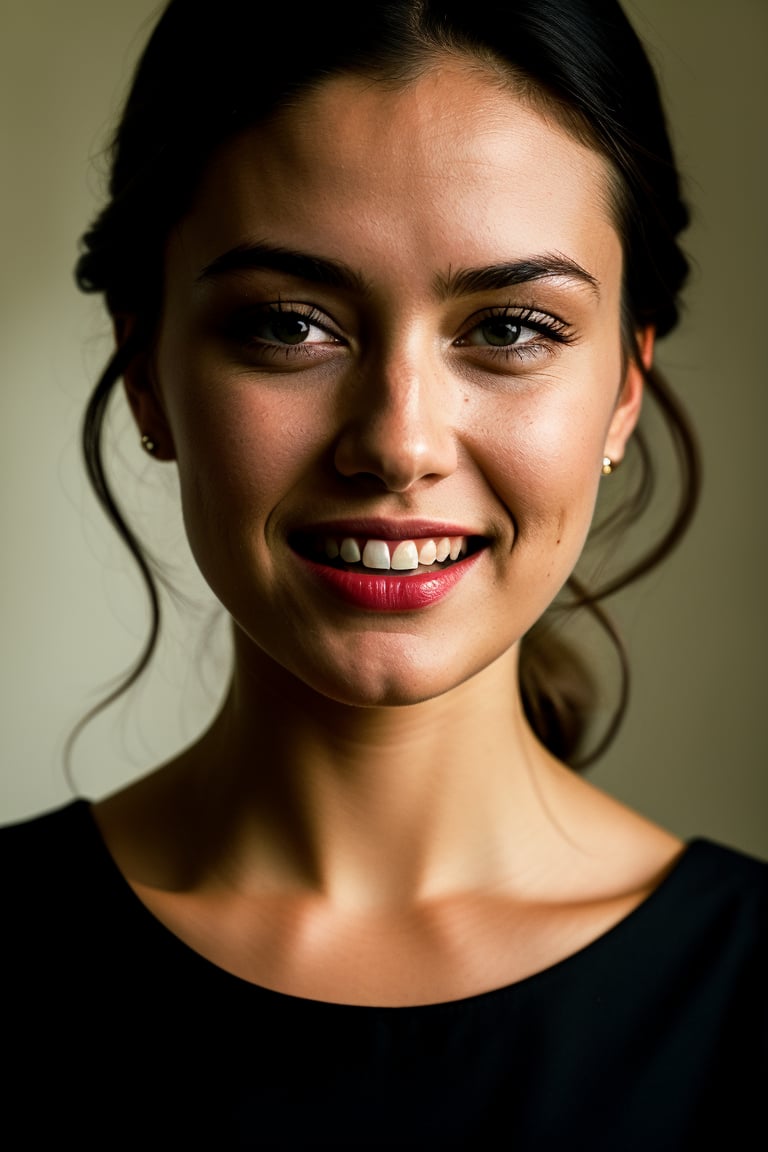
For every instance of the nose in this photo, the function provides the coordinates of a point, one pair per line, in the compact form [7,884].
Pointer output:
[398,425]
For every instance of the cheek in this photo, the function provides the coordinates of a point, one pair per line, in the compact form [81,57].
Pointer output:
[543,457]
[237,435]
[241,450]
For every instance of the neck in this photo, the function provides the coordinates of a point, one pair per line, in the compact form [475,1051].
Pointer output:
[369,805]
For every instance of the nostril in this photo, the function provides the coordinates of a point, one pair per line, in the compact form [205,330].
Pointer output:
[396,466]
[399,433]
[367,480]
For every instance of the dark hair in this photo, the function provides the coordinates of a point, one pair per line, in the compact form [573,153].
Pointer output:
[212,69]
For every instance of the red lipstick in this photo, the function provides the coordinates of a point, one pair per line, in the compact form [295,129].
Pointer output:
[387,592]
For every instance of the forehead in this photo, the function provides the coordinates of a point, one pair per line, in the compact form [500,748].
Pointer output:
[449,169]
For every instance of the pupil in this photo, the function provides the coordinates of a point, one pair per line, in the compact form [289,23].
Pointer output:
[501,332]
[290,328]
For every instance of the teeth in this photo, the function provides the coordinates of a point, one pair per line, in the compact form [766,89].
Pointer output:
[350,552]
[405,556]
[428,553]
[376,554]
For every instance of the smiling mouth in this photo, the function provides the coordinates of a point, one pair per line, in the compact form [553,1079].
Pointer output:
[398,557]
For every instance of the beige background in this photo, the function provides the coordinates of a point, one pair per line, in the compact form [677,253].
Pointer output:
[692,753]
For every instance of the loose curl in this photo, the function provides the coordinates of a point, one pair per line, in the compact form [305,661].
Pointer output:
[211,70]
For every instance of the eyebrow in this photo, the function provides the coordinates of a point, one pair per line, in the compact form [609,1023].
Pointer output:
[510,274]
[301,265]
[462,282]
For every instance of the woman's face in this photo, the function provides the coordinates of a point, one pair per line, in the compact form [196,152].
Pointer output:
[392,320]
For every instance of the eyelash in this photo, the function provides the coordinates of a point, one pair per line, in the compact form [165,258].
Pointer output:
[552,329]
[244,325]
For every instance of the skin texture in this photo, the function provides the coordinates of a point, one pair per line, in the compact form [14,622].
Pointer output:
[371,776]
[394,421]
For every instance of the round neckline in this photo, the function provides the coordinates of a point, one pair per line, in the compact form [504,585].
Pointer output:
[528,984]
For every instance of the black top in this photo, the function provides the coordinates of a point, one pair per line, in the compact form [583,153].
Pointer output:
[117,1035]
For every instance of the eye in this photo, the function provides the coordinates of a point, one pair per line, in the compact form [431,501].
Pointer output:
[500,332]
[515,333]
[283,335]
[288,325]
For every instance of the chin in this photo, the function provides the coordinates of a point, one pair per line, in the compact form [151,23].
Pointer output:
[396,683]
[385,696]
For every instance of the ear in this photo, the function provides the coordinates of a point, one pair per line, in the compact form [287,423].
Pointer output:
[142,392]
[627,410]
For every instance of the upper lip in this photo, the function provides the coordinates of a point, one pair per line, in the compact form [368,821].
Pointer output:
[379,528]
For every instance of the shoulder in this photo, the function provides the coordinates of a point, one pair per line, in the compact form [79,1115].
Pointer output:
[719,906]
[88,987]
[721,881]
[46,849]
[61,894]
[711,910]
[718,911]
[690,882]
[695,957]
[60,827]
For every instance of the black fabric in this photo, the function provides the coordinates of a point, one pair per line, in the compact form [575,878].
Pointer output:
[655,1037]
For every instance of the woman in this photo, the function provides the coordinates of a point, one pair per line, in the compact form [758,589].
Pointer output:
[390,306]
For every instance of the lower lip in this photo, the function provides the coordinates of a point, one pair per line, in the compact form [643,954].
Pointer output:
[382,592]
